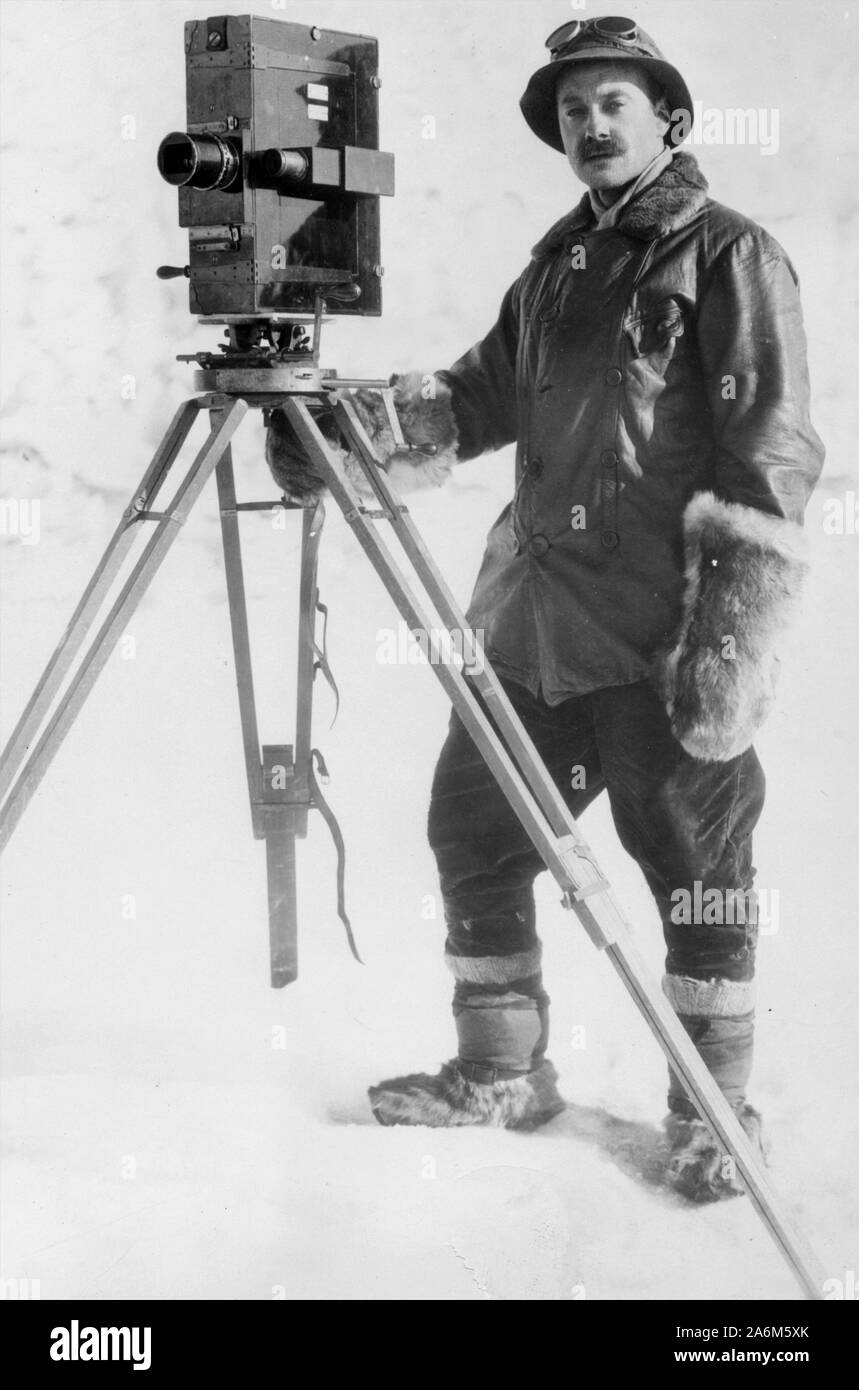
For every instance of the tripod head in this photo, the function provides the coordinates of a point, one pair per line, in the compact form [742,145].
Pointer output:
[267,354]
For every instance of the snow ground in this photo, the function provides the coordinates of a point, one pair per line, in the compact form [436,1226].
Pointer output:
[174,1128]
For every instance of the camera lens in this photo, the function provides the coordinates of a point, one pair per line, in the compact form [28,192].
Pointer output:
[200,161]
[284,164]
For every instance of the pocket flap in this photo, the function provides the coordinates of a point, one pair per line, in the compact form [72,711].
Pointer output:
[653,330]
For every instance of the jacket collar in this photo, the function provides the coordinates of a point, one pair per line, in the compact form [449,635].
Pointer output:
[664,206]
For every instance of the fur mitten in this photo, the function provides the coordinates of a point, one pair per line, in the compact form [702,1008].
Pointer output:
[423,405]
[290,466]
[744,574]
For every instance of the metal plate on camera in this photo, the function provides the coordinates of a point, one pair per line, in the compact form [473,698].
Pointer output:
[264,316]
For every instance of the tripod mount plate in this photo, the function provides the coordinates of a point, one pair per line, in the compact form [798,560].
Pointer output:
[295,378]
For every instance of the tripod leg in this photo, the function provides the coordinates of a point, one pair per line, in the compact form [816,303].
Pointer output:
[284,822]
[111,630]
[282,906]
[281,831]
[276,823]
[478,671]
[514,786]
[239,622]
[542,814]
[93,596]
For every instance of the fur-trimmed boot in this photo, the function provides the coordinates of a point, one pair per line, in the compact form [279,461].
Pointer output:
[451,1098]
[719,1017]
[697,1166]
[501,1076]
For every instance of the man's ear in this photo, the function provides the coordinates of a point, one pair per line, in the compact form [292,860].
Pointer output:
[662,112]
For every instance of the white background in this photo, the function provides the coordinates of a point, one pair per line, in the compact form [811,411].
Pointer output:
[159,1141]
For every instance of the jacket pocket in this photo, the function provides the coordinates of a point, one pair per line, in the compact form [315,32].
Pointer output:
[654,334]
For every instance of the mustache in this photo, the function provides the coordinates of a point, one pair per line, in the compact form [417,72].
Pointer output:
[589,148]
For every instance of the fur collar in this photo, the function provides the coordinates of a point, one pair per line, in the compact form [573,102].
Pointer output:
[664,206]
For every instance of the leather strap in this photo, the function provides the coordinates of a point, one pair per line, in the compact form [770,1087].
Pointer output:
[321,663]
[317,762]
[485,1075]
[318,800]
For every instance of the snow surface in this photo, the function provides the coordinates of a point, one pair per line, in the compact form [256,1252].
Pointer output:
[173,1128]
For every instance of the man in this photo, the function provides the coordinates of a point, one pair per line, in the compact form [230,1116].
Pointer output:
[649,364]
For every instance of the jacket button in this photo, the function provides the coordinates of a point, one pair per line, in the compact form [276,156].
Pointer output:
[614,376]
[538,545]
[535,467]
[609,539]
[609,457]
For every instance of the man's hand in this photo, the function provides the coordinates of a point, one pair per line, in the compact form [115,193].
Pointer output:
[744,575]
[423,405]
[425,412]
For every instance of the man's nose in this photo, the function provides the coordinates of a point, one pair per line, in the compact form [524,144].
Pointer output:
[596,126]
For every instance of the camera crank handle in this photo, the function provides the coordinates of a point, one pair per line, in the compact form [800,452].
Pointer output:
[172,272]
[421,448]
[403,445]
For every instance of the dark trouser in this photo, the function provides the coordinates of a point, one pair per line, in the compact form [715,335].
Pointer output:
[688,824]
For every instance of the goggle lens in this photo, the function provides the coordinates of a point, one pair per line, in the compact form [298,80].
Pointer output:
[612,27]
[563,35]
[616,28]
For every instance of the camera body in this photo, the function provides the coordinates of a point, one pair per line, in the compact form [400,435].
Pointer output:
[279,172]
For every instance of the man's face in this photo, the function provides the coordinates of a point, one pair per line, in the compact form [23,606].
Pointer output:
[609,125]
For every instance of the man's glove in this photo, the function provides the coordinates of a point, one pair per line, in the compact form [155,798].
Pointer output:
[424,409]
[425,412]
[744,574]
[290,466]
